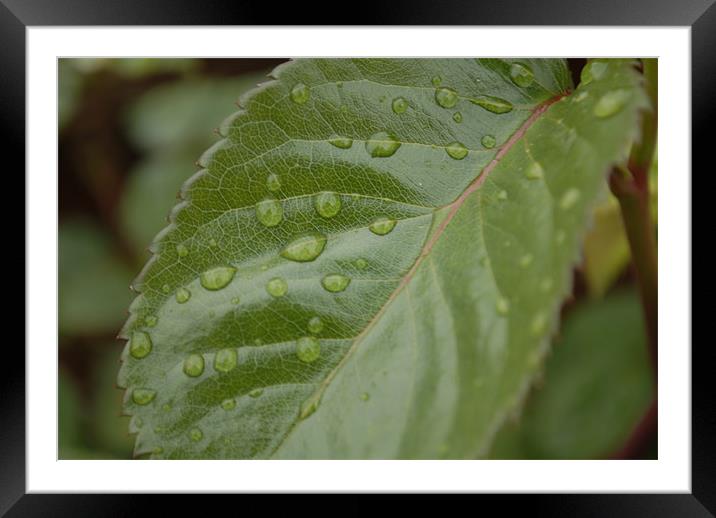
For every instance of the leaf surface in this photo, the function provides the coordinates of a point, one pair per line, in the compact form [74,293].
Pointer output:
[294,320]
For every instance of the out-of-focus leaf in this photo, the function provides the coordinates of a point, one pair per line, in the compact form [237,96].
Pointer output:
[93,282]
[597,386]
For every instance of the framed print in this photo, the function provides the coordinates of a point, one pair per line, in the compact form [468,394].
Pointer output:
[376,259]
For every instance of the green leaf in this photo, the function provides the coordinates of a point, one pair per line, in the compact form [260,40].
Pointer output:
[597,386]
[349,336]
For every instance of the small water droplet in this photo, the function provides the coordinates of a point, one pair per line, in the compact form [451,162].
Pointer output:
[400,105]
[140,345]
[538,324]
[335,282]
[560,236]
[446,97]
[277,287]
[166,407]
[273,182]
[269,212]
[502,196]
[382,226]
[158,450]
[195,434]
[150,320]
[521,75]
[226,360]
[327,204]
[236,301]
[382,145]
[534,171]
[315,325]
[217,278]
[457,117]
[212,242]
[456,150]
[488,141]
[341,142]
[258,341]
[143,396]
[580,97]
[611,103]
[526,260]
[194,365]
[228,404]
[305,248]
[166,288]
[182,250]
[308,349]
[493,104]
[365,396]
[546,284]
[502,306]
[256,392]
[594,70]
[300,93]
[569,198]
[437,80]
[308,407]
[182,295]
[361,263]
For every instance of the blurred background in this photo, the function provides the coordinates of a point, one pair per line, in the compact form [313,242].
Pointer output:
[130,132]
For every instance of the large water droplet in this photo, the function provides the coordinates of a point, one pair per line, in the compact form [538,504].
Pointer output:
[228,404]
[492,104]
[611,103]
[569,198]
[226,360]
[446,97]
[521,75]
[327,204]
[335,282]
[400,105]
[269,212]
[182,250]
[382,145]
[502,306]
[217,278]
[341,142]
[273,182]
[194,365]
[143,396]
[277,287]
[488,141]
[305,248]
[183,295]
[382,226]
[593,70]
[141,345]
[195,434]
[300,93]
[456,150]
[315,325]
[534,171]
[308,349]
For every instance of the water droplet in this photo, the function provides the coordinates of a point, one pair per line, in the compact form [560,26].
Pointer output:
[140,345]
[194,365]
[534,171]
[150,320]
[158,450]
[546,284]
[365,396]
[327,204]
[492,104]
[457,117]
[594,70]
[166,288]
[228,404]
[382,145]
[305,248]
[521,75]
[308,349]
[195,434]
[580,97]
[341,142]
[143,396]
[182,250]
[226,360]
[273,182]
[488,141]
[502,306]
[456,150]
[183,295]
[526,260]
[308,407]
[560,236]
[315,325]
[166,407]
[382,226]
[217,278]
[611,103]
[300,93]
[502,196]
[335,282]
[437,80]
[538,324]
[277,287]
[446,97]
[256,392]
[269,212]
[212,242]
[361,263]
[339,84]
[236,301]
[400,105]
[569,198]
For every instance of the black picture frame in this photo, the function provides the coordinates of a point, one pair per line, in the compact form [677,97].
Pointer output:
[17,15]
